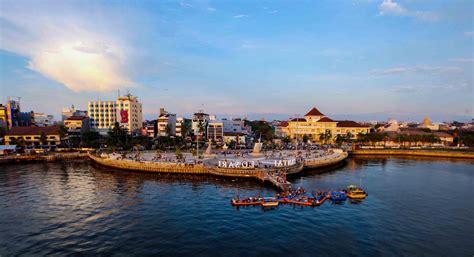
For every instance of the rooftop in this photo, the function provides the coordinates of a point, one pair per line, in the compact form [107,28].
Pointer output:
[20,131]
[314,112]
[350,124]
[76,118]
[325,119]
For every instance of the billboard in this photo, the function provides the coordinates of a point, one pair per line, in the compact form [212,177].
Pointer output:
[123,116]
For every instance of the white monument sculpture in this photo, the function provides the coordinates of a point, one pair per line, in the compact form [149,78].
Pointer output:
[257,148]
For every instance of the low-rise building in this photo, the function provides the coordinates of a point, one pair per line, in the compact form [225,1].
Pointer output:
[238,137]
[183,127]
[199,124]
[34,137]
[150,128]
[316,126]
[215,131]
[72,111]
[77,125]
[166,124]
[42,119]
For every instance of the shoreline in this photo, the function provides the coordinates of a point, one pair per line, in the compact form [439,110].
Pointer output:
[403,152]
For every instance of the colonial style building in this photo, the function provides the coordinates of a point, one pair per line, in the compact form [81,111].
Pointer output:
[315,123]
[34,137]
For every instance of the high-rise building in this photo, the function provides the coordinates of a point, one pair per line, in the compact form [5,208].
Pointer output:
[127,111]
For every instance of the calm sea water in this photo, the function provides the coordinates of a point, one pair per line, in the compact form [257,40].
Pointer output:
[416,207]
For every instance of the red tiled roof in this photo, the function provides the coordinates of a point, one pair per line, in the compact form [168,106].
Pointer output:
[325,119]
[314,112]
[76,118]
[20,131]
[283,124]
[349,124]
[298,119]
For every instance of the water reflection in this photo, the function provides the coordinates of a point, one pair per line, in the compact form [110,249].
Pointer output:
[416,206]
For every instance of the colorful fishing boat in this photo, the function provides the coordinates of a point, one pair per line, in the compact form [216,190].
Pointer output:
[355,192]
[338,196]
[305,199]
[246,202]
[269,202]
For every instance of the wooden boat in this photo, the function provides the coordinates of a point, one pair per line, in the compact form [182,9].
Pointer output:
[245,202]
[306,200]
[269,202]
[355,192]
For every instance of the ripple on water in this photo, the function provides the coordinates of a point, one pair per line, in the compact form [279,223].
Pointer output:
[415,207]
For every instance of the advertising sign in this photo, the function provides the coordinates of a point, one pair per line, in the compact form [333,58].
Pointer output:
[124,116]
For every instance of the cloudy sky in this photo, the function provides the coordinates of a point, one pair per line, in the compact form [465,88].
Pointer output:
[409,58]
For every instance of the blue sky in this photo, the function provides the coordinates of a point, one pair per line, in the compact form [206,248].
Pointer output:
[365,59]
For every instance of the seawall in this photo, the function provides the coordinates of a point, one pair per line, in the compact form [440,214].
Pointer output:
[427,153]
[43,158]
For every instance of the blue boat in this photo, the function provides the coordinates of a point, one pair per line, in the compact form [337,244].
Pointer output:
[338,196]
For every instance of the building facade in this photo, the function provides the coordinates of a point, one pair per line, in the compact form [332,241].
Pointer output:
[34,137]
[127,111]
[199,123]
[72,111]
[166,124]
[315,124]
[42,119]
[183,127]
[215,131]
[77,125]
[15,117]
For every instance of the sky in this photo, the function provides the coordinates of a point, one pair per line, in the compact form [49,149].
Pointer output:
[360,59]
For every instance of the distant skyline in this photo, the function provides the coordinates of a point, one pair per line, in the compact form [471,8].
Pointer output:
[372,59]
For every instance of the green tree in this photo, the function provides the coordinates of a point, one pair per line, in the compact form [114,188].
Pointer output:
[91,139]
[179,154]
[118,137]
[43,139]
[62,133]
[287,140]
[305,138]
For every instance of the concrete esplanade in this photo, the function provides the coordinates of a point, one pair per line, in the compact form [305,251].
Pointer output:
[271,166]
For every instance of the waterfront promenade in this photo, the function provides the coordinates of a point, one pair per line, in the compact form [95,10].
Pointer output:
[270,166]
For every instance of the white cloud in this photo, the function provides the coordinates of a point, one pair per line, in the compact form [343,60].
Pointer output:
[408,89]
[469,33]
[388,7]
[66,51]
[417,69]
[391,8]
[239,16]
[185,5]
[211,9]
